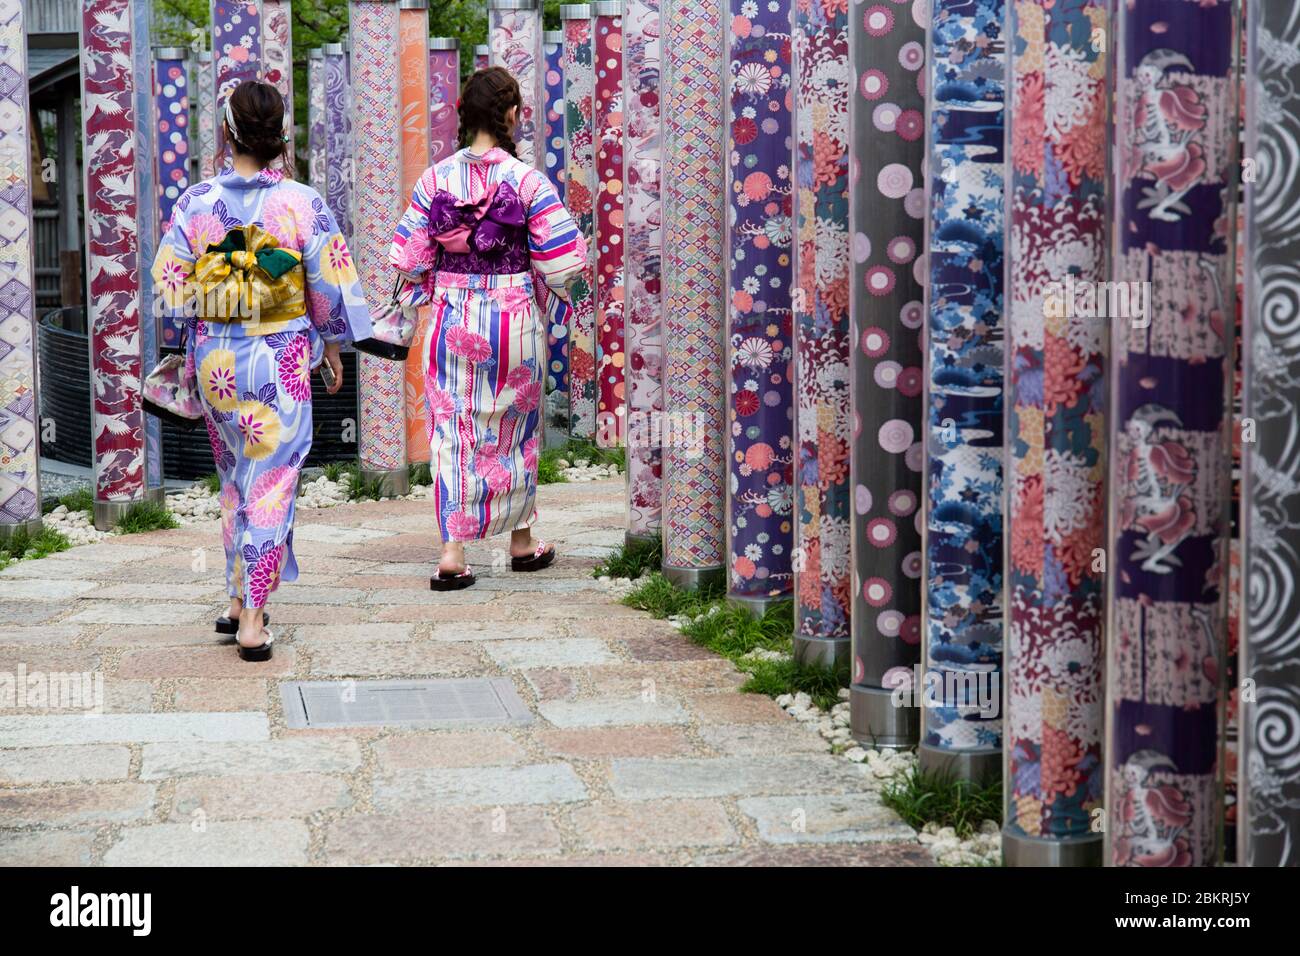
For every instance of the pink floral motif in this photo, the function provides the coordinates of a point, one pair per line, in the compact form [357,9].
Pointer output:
[527,397]
[264,578]
[294,366]
[462,526]
[468,345]
[271,497]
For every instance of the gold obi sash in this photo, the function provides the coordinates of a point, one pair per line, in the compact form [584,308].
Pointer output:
[247,279]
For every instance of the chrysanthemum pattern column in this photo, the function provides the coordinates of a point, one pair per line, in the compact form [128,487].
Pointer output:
[887,119]
[338,137]
[236,53]
[171,111]
[558,313]
[642,306]
[377,150]
[963,585]
[1269,795]
[515,38]
[206,120]
[694,511]
[607,57]
[1176,139]
[316,175]
[579,184]
[760,327]
[277,62]
[108,112]
[20,492]
[413,67]
[821,308]
[1056,435]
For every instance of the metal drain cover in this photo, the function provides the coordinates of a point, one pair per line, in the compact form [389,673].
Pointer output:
[403,703]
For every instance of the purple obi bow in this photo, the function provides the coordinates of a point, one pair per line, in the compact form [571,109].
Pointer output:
[483,227]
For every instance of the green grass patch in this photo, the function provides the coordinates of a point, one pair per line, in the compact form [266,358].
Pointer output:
[922,797]
[419,473]
[22,546]
[631,560]
[337,471]
[146,516]
[548,468]
[662,599]
[361,489]
[211,483]
[83,499]
[775,678]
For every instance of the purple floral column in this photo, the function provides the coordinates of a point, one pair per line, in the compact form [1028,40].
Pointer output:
[482,56]
[887,121]
[1176,145]
[515,37]
[236,52]
[20,490]
[821,311]
[316,120]
[444,90]
[607,108]
[277,61]
[172,114]
[580,186]
[559,313]
[694,511]
[642,325]
[760,328]
[204,119]
[338,137]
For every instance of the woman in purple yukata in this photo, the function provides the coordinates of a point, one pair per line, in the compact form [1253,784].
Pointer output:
[481,229]
[259,265]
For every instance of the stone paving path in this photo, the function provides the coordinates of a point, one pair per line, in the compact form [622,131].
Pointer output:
[641,750]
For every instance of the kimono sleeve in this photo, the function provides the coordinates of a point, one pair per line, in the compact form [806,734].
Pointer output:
[556,245]
[412,250]
[336,303]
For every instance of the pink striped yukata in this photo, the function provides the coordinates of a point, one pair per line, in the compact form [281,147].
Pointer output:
[480,230]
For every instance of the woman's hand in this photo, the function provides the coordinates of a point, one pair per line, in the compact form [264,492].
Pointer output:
[335,365]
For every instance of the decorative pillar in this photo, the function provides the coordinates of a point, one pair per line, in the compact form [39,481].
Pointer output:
[886,371]
[1268,817]
[338,137]
[20,489]
[171,111]
[607,106]
[277,62]
[694,337]
[482,56]
[146,186]
[515,38]
[113,294]
[821,315]
[206,120]
[316,120]
[1056,500]
[236,53]
[642,306]
[580,185]
[558,312]
[760,328]
[963,583]
[444,90]
[1170,438]
[377,152]
[413,58]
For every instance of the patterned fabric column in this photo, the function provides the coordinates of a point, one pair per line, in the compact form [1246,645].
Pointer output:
[206,120]
[821,306]
[444,90]
[316,120]
[559,313]
[20,491]
[760,328]
[579,185]
[482,56]
[963,626]
[377,151]
[1176,140]
[1269,795]
[607,54]
[694,512]
[515,38]
[413,55]
[338,137]
[108,111]
[277,61]
[1056,434]
[642,325]
[146,191]
[236,52]
[887,119]
[172,114]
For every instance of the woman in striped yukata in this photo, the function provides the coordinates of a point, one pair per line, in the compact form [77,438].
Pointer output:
[481,229]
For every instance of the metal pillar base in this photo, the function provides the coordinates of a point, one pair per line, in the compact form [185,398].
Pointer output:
[29,527]
[1021,850]
[395,482]
[977,766]
[108,513]
[757,606]
[822,651]
[695,579]
[644,540]
[875,720]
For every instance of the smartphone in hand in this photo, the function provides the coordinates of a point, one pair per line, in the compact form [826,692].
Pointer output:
[327,374]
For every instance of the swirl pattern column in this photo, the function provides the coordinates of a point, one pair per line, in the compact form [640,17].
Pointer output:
[515,38]
[316,120]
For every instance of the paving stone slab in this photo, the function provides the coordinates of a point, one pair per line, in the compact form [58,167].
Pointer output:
[479,786]
[758,739]
[112,552]
[221,694]
[76,805]
[46,847]
[837,855]
[71,764]
[393,659]
[335,534]
[29,613]
[52,635]
[810,818]
[244,843]
[131,728]
[636,779]
[502,630]
[612,712]
[659,825]
[136,613]
[599,743]
[149,591]
[261,796]
[451,832]
[219,661]
[473,748]
[290,755]
[571,652]
[43,589]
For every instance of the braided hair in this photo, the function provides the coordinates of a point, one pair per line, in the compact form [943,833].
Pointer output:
[485,98]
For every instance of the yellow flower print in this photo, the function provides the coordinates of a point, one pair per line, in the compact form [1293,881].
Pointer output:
[217,379]
[336,265]
[171,275]
[260,425]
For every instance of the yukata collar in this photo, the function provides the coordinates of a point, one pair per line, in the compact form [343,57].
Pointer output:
[230,179]
[494,155]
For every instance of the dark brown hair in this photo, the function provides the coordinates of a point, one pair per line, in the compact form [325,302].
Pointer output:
[485,98]
[258,109]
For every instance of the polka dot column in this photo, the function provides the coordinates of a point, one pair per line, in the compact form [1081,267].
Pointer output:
[172,114]
[607,55]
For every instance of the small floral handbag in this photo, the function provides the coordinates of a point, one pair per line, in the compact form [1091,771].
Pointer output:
[171,391]
[393,329]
